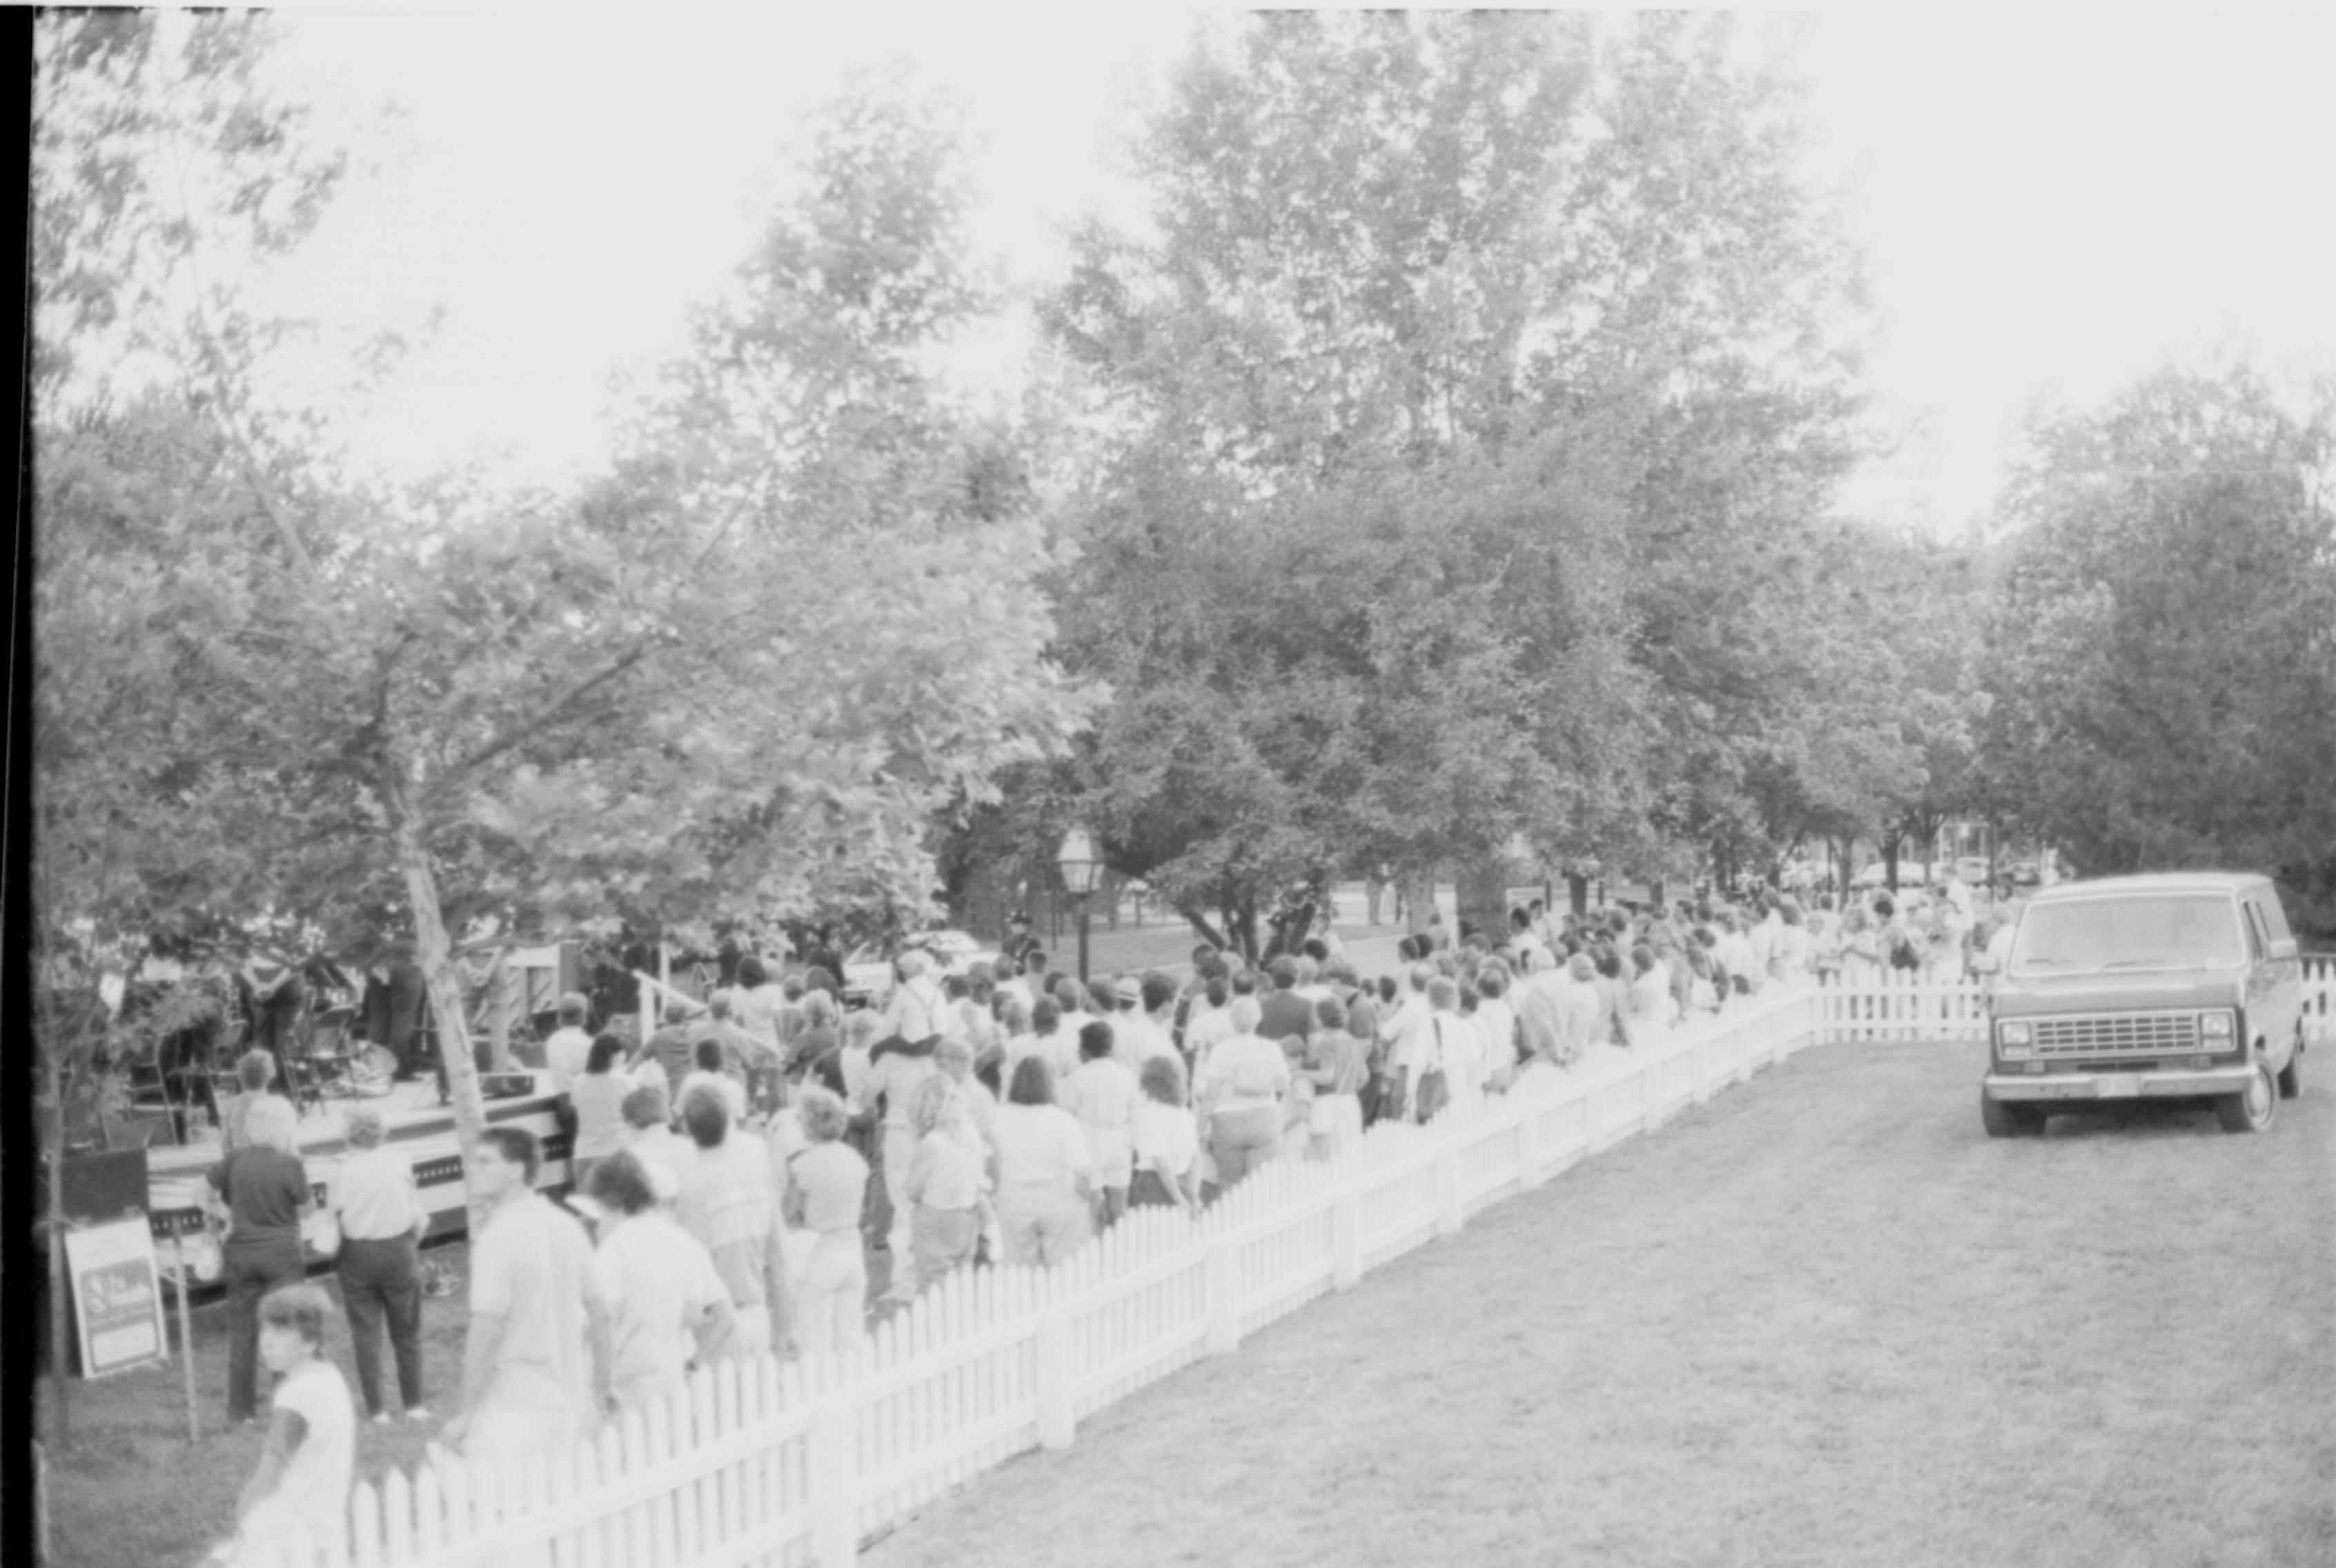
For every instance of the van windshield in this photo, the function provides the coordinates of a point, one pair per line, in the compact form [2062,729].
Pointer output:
[2164,930]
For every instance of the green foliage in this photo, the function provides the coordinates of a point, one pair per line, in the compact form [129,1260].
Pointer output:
[734,680]
[1471,402]
[2163,655]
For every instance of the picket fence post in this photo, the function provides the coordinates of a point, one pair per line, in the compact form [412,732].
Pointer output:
[1221,1288]
[1530,1174]
[1448,1191]
[1346,1239]
[1058,1421]
[834,1484]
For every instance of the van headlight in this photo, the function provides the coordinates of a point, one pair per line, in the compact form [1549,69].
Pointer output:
[2214,1025]
[2014,1038]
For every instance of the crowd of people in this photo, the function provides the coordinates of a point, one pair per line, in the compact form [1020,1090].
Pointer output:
[740,1176]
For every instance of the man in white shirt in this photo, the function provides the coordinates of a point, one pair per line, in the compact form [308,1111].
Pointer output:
[565,1052]
[535,1308]
[649,1133]
[1406,1035]
[1140,1031]
[668,1306]
[1031,978]
[1071,998]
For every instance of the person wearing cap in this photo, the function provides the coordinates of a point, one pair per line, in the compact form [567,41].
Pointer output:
[1019,939]
[1140,1028]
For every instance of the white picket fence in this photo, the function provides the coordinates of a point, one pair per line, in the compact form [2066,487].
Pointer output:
[760,1463]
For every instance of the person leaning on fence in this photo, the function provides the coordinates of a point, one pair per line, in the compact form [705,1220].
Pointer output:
[295,1506]
[1046,1172]
[382,1218]
[538,1363]
[263,1188]
[668,1311]
[827,1183]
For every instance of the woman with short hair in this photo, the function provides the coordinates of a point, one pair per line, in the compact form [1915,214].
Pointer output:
[1337,1066]
[254,1071]
[1239,1089]
[1046,1172]
[382,1218]
[597,1096]
[827,1185]
[264,1189]
[668,1308]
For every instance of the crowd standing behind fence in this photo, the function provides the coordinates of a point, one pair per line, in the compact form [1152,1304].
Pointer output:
[1016,1114]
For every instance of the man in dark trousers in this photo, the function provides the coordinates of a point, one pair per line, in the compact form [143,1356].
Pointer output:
[1019,939]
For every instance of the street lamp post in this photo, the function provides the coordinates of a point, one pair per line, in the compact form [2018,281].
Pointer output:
[1082,871]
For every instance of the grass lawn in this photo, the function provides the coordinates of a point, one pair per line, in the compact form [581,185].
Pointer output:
[133,1490]
[1821,1321]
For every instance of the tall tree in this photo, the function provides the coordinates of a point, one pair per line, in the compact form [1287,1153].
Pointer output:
[1460,250]
[2163,652]
[581,711]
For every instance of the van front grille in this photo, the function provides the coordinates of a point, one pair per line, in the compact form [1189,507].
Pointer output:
[2117,1034]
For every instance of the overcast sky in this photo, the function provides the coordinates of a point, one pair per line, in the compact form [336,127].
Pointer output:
[2046,206]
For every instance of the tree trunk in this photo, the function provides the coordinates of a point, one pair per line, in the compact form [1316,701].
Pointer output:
[1417,890]
[1577,892]
[434,953]
[1199,921]
[1483,897]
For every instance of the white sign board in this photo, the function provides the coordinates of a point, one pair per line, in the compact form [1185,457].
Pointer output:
[117,1296]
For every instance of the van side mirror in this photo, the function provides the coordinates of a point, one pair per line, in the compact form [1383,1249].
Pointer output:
[2283,947]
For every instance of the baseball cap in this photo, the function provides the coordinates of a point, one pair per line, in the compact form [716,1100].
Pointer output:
[1130,990]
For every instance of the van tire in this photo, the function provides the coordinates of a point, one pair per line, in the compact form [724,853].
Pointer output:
[2290,1076]
[2253,1109]
[2004,1120]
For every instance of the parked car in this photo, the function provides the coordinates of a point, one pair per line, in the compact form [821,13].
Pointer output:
[2183,986]
[868,970]
[1972,869]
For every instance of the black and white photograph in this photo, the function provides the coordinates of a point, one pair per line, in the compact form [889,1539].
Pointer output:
[1025,786]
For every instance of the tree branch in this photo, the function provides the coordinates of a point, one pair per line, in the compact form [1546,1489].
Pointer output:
[558,712]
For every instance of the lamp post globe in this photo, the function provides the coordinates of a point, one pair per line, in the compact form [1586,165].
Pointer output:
[1082,870]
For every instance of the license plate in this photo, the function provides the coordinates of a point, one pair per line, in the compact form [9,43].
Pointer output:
[2117,1087]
